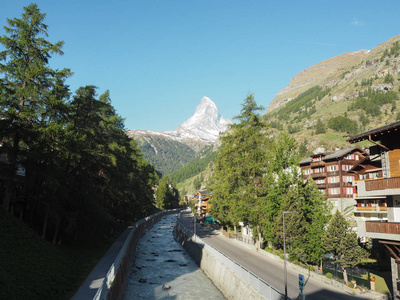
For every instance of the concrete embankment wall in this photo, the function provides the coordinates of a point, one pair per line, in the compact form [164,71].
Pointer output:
[233,280]
[109,278]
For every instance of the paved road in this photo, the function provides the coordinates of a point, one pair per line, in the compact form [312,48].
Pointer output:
[268,269]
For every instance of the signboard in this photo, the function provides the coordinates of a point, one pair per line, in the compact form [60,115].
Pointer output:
[301,282]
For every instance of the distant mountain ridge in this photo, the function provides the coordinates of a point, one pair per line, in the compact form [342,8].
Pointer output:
[362,86]
[170,150]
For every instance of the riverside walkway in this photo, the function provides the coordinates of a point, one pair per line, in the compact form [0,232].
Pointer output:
[266,268]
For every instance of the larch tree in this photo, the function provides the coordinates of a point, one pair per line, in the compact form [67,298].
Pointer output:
[31,90]
[238,178]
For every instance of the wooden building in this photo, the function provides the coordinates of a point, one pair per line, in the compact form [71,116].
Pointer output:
[330,171]
[202,203]
[378,192]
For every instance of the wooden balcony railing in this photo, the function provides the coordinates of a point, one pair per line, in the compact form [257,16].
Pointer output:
[371,208]
[333,173]
[382,184]
[382,227]
[317,164]
[316,175]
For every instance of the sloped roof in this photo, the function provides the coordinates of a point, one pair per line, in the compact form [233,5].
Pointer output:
[340,153]
[305,161]
[375,133]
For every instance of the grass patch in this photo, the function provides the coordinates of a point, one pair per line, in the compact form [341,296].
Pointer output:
[381,281]
[32,268]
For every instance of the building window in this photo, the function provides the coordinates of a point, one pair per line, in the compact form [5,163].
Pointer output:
[363,176]
[320,181]
[307,172]
[333,191]
[348,191]
[319,170]
[349,179]
[333,179]
[332,168]
[346,167]
[373,175]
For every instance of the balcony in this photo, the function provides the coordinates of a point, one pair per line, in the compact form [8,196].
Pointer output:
[378,187]
[333,173]
[371,208]
[382,227]
[318,175]
[315,164]
[382,184]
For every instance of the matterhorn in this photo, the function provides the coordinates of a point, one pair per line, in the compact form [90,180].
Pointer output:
[204,126]
[206,123]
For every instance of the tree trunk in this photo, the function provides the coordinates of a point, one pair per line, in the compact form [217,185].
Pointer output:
[235,229]
[345,276]
[46,219]
[54,241]
[9,184]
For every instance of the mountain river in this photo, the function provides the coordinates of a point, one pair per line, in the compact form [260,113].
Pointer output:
[163,270]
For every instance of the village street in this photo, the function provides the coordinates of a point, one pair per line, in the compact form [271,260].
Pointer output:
[268,269]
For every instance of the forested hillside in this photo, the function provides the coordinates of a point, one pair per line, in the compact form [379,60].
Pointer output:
[352,95]
[165,155]
[195,166]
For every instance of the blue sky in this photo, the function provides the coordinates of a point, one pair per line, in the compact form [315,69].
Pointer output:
[158,58]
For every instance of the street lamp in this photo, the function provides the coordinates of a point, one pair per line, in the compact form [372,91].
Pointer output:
[284,249]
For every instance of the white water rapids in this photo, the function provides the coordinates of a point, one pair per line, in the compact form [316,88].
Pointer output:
[163,270]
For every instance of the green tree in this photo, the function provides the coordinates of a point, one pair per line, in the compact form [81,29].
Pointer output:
[341,240]
[343,124]
[167,196]
[31,90]
[320,127]
[237,182]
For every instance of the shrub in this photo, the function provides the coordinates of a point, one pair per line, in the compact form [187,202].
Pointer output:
[329,275]
[310,268]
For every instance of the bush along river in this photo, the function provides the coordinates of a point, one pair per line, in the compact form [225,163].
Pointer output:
[162,269]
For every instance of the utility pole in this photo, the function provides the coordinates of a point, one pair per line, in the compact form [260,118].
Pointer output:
[284,250]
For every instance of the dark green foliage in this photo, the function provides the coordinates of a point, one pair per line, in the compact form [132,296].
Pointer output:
[367,82]
[293,129]
[371,101]
[320,127]
[195,166]
[84,177]
[198,181]
[237,182]
[388,78]
[167,196]
[303,104]
[343,124]
[276,124]
[341,240]
[165,155]
[303,150]
[364,119]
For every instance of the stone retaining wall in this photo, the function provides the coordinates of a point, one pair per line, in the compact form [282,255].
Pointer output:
[233,280]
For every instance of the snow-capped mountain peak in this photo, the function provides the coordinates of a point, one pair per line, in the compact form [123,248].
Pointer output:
[204,126]
[206,123]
